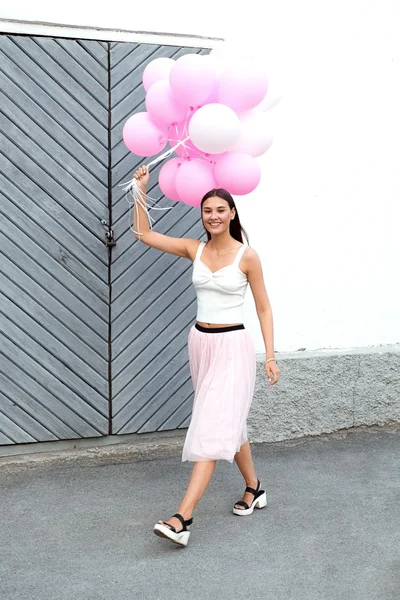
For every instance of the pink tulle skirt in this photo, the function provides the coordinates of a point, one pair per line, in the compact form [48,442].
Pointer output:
[223,370]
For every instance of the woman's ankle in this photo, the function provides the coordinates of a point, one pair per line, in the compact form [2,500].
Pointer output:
[186,513]
[252,482]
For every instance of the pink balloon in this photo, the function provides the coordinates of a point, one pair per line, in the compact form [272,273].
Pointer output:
[214,158]
[238,173]
[178,133]
[157,69]
[213,95]
[167,178]
[194,179]
[242,86]
[211,98]
[193,79]
[162,105]
[142,136]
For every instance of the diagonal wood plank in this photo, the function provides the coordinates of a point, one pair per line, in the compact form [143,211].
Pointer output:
[13,77]
[55,101]
[54,308]
[153,302]
[25,54]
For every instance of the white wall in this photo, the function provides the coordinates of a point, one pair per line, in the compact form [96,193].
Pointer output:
[325,218]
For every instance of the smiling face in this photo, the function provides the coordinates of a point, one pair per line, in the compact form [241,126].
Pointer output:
[217,215]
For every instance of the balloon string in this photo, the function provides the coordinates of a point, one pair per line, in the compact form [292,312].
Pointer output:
[167,153]
[185,130]
[185,125]
[177,139]
[139,198]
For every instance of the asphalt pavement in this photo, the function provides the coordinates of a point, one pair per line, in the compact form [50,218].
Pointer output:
[330,531]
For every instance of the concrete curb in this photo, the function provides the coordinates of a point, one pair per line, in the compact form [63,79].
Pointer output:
[152,448]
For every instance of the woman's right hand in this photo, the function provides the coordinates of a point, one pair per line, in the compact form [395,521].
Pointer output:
[142,176]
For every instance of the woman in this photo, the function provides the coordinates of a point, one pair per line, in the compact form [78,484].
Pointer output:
[221,352]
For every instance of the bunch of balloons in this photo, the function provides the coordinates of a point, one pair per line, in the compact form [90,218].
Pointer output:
[212,111]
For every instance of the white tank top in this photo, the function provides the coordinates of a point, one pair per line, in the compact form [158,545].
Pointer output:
[220,294]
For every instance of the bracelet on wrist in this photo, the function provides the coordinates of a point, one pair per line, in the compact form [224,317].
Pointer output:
[270,360]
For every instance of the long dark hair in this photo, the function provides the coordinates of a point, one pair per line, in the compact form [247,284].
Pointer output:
[235,228]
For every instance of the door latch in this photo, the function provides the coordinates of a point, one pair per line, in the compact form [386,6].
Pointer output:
[109,235]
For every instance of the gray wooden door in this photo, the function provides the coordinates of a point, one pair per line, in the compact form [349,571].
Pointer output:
[153,302]
[93,340]
[54,300]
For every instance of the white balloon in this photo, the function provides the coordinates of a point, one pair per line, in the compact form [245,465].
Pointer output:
[214,128]
[256,134]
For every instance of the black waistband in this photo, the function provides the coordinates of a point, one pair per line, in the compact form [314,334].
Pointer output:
[218,329]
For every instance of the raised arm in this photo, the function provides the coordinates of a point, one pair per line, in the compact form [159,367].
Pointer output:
[184,247]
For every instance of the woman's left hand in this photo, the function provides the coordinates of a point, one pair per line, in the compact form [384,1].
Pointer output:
[272,371]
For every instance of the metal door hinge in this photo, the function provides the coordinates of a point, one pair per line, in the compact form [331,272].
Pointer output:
[110,241]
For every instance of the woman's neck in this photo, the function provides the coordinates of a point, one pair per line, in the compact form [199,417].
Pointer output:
[221,243]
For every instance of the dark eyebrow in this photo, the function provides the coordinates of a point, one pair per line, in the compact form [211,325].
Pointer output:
[220,206]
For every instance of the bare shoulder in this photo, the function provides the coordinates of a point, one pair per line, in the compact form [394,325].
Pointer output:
[250,258]
[250,254]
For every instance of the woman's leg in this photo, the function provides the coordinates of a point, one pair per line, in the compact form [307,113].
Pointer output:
[244,461]
[200,478]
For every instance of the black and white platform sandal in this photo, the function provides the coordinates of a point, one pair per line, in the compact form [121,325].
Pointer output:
[260,501]
[165,530]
